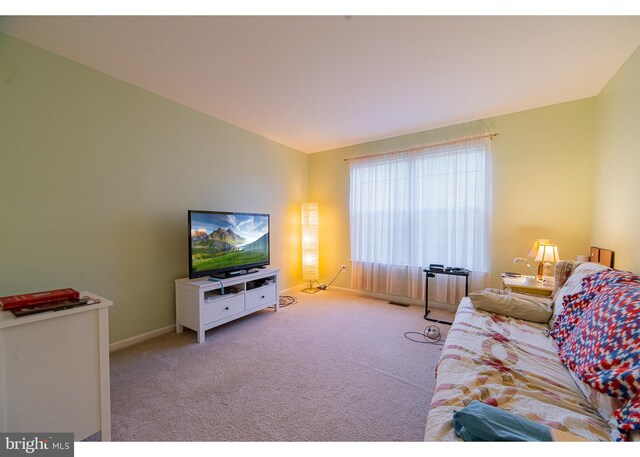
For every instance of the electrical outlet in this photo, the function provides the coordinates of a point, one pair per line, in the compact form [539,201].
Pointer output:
[344,268]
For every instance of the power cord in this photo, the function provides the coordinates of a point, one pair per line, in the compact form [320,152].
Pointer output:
[325,286]
[430,335]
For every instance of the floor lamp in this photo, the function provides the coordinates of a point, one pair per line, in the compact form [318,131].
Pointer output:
[310,245]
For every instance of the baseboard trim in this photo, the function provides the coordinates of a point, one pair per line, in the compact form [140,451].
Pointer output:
[396,299]
[140,338]
[445,306]
[297,288]
[171,328]
[393,298]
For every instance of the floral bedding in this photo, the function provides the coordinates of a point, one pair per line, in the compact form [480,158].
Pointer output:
[512,364]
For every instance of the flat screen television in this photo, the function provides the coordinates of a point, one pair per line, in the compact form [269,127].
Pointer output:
[223,243]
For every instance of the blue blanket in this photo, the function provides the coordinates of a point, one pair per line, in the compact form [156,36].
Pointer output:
[481,422]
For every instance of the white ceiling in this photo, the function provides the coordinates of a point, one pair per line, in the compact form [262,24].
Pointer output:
[320,82]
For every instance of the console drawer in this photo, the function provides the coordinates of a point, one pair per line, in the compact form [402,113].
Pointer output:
[265,295]
[222,308]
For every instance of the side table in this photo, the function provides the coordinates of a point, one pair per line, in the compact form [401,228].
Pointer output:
[431,273]
[520,285]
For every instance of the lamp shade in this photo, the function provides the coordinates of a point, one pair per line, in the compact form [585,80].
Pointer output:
[547,253]
[536,246]
[309,241]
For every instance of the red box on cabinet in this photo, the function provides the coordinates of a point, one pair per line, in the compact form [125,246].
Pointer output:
[37,298]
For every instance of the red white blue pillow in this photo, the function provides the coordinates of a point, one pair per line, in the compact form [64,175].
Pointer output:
[599,337]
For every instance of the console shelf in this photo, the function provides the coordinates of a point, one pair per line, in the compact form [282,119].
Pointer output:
[201,305]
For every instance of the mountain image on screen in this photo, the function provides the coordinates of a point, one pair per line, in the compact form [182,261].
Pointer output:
[225,241]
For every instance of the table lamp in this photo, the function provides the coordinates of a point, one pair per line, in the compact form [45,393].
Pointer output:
[547,254]
[533,253]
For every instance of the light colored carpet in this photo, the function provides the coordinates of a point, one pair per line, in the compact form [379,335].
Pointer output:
[333,367]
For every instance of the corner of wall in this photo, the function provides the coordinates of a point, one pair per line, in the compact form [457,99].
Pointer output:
[617,187]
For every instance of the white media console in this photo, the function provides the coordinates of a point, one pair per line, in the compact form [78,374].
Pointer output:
[200,305]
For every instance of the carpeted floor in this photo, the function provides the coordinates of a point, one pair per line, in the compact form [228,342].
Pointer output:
[333,367]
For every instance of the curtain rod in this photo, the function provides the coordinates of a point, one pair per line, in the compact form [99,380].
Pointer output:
[425,146]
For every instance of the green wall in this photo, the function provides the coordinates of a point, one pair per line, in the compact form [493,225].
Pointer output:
[96,177]
[616,221]
[543,166]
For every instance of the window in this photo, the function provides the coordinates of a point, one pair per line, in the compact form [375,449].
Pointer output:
[413,208]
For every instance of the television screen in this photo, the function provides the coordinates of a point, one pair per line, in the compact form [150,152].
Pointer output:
[222,242]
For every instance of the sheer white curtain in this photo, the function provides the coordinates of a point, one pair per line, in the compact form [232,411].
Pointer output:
[423,206]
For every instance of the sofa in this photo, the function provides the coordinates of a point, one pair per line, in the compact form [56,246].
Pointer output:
[540,365]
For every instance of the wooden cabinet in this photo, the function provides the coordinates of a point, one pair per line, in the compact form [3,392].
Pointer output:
[202,304]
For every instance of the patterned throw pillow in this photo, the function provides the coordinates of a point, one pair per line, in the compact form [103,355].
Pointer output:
[561,272]
[604,346]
